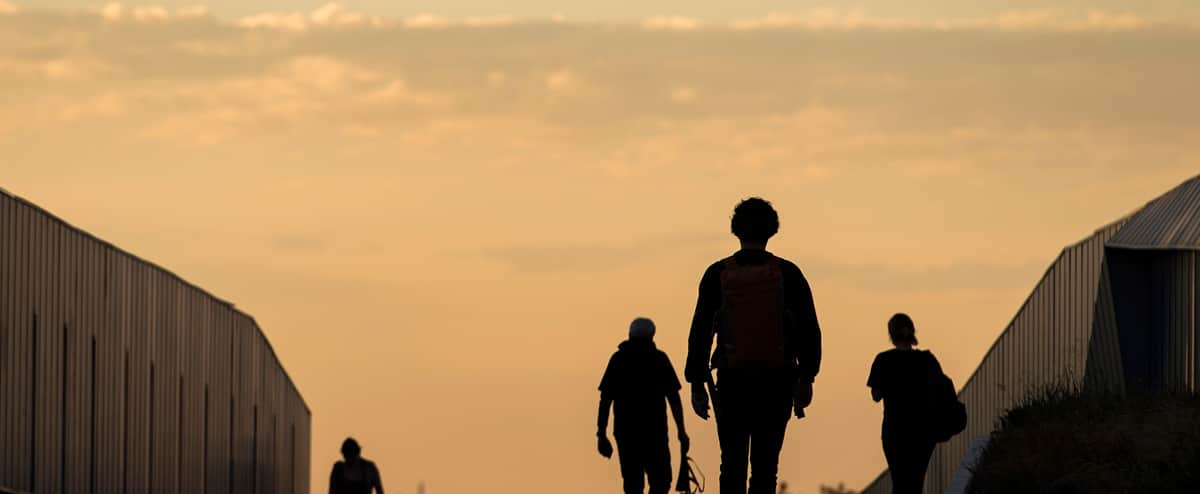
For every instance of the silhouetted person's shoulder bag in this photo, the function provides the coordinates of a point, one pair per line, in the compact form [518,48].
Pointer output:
[948,416]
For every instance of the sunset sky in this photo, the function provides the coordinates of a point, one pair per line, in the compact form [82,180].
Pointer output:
[444,214]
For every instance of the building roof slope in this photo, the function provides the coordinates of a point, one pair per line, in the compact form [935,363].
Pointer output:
[1171,221]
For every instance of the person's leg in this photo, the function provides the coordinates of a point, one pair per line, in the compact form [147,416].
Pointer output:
[769,424]
[631,454]
[895,469]
[922,452]
[901,458]
[734,435]
[658,468]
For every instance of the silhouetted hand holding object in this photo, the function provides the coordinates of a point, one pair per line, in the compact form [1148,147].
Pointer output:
[604,446]
[700,401]
[802,394]
[685,444]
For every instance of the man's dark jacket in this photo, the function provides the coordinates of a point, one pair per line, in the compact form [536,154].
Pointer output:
[804,334]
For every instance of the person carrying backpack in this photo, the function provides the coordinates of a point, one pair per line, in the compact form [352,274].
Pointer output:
[759,307]
[920,407]
[638,383]
[355,474]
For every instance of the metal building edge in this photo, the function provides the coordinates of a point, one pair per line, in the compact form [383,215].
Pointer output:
[222,414]
[66,224]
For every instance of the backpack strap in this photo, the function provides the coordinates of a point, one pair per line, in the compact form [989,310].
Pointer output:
[772,261]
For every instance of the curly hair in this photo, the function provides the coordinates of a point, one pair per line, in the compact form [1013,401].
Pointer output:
[754,220]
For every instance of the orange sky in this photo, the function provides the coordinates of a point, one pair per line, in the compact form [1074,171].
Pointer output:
[445,225]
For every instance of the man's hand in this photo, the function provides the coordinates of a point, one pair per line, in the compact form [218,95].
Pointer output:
[802,394]
[604,446]
[700,401]
[685,444]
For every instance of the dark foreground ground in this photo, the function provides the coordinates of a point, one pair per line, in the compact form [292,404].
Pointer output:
[1062,442]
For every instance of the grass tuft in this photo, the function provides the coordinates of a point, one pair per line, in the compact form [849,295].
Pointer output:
[1062,441]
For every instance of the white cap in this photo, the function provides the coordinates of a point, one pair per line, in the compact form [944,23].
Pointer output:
[641,328]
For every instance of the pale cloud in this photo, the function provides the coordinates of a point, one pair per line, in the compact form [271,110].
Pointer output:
[291,93]
[112,11]
[205,127]
[426,20]
[116,11]
[823,19]
[765,111]
[496,77]
[561,80]
[100,106]
[286,22]
[944,277]
[333,14]
[329,15]
[1037,19]
[194,11]
[53,69]
[672,23]
[683,94]
[599,257]
[490,21]
[1029,19]
[1108,20]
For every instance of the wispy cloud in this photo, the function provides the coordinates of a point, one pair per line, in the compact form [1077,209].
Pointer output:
[596,257]
[333,15]
[625,100]
[672,23]
[885,277]
[116,12]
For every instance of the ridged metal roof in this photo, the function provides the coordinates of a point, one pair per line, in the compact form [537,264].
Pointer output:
[1170,222]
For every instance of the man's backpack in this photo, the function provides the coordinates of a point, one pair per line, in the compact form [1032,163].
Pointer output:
[751,321]
[948,416]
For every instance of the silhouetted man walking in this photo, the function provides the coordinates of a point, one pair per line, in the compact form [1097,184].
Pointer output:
[355,474]
[638,382]
[768,351]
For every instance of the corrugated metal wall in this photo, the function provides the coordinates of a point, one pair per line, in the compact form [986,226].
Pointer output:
[1155,300]
[1046,343]
[117,376]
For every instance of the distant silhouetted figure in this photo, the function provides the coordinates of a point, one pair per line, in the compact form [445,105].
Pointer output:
[903,378]
[768,352]
[355,474]
[638,383]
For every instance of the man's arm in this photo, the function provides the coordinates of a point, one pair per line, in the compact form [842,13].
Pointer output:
[608,386]
[333,480]
[807,334]
[700,338]
[603,445]
[670,386]
[376,481]
[602,421]
[677,413]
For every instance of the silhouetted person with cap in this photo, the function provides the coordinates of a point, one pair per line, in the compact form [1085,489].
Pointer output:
[638,384]
[354,474]
[903,379]
[768,352]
